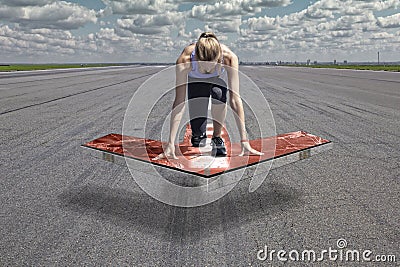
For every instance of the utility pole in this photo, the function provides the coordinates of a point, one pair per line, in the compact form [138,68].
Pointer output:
[378,57]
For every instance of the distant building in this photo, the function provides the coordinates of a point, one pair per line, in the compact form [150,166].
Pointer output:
[345,62]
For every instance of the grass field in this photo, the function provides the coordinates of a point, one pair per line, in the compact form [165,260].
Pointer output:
[21,67]
[356,67]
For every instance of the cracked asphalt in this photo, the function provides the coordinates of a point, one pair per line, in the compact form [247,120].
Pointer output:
[60,207]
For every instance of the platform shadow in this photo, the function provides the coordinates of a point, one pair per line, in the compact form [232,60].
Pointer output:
[138,210]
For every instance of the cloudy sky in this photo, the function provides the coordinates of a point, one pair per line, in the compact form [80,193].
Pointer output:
[157,30]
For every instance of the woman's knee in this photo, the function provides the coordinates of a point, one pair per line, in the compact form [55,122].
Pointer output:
[219,95]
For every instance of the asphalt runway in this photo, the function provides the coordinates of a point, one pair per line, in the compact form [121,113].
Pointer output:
[60,207]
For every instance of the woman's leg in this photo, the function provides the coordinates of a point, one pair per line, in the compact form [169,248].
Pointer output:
[198,97]
[218,107]
[218,112]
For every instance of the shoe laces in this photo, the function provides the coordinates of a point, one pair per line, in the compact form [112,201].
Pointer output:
[197,137]
[218,140]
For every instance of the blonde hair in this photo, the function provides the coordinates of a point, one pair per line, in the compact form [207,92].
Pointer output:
[208,47]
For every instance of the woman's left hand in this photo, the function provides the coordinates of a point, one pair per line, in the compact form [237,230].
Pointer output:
[246,147]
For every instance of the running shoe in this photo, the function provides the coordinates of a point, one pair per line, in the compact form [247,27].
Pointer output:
[199,141]
[218,147]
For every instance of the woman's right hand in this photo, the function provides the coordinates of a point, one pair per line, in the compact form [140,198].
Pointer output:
[169,152]
[246,147]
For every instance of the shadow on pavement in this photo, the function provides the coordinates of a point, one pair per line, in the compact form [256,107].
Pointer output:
[139,211]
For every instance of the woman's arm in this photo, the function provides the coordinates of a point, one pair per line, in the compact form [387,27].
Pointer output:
[234,97]
[235,101]
[182,69]
[178,106]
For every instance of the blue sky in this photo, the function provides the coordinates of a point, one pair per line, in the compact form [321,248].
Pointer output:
[157,30]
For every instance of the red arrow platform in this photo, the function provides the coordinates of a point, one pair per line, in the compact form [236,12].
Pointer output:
[283,149]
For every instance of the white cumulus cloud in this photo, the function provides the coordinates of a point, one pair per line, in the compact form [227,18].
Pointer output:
[47,14]
[130,7]
[390,21]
